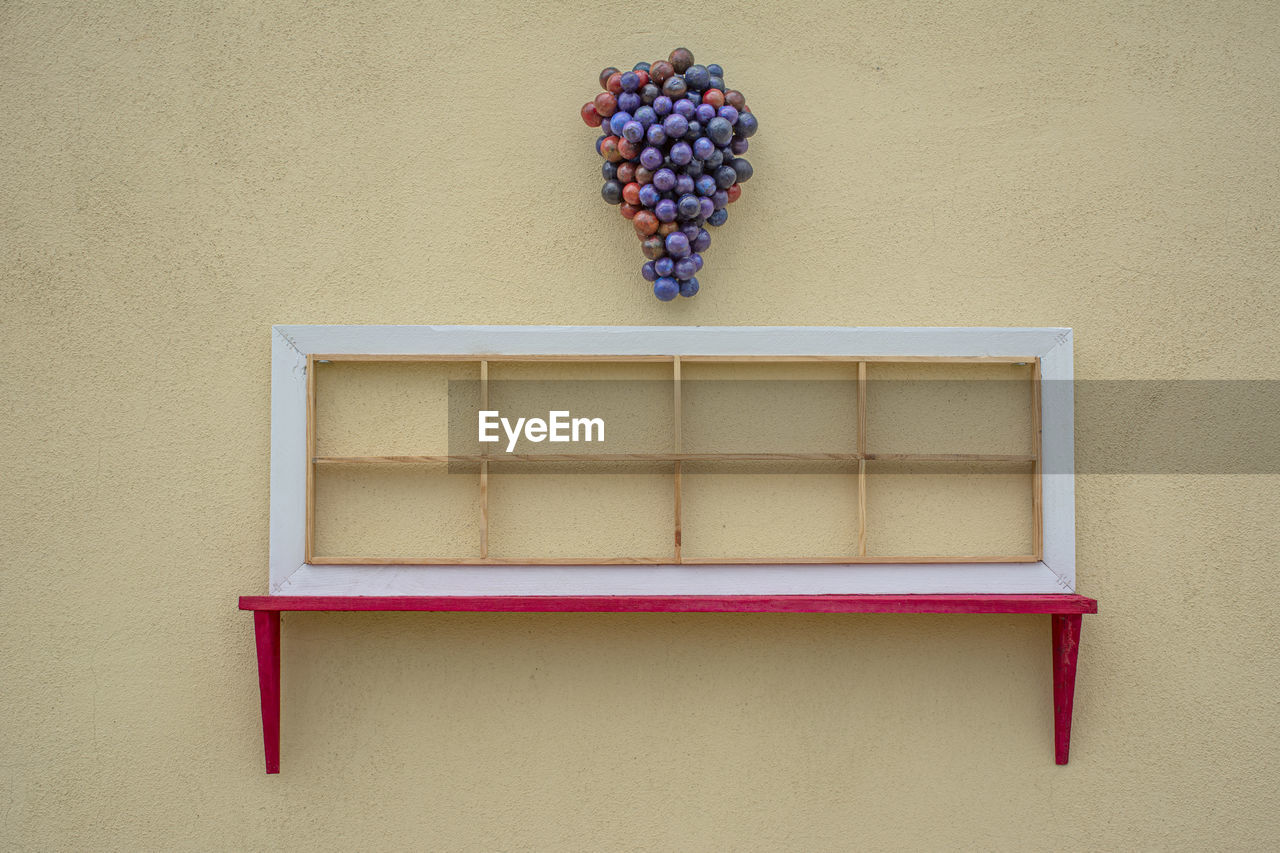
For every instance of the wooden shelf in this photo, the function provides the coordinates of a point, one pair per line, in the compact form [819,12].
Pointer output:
[1038,510]
[1066,613]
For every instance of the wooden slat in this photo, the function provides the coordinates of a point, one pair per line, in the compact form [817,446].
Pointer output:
[862,461]
[679,446]
[823,561]
[658,561]
[597,457]
[950,457]
[896,359]
[484,467]
[862,408]
[676,457]
[428,357]
[490,561]
[665,357]
[1037,479]
[862,507]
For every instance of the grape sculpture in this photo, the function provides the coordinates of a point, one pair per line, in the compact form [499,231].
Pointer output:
[674,136]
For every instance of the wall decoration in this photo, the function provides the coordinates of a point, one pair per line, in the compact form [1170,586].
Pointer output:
[673,139]
[358,434]
[337,444]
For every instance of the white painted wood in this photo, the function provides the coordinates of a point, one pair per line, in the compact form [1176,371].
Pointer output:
[672,340]
[1057,453]
[288,457]
[903,579]
[290,575]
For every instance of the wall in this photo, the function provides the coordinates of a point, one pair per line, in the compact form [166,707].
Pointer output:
[178,176]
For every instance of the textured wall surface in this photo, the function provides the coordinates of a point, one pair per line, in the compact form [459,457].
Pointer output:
[175,177]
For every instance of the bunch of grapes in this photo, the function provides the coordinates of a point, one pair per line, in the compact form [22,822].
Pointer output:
[673,145]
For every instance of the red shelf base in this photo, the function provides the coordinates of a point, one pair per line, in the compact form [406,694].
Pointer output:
[1066,612]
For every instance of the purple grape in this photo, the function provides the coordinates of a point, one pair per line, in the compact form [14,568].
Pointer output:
[662,105]
[656,135]
[612,192]
[747,125]
[715,161]
[664,179]
[703,148]
[705,185]
[665,210]
[718,218]
[647,272]
[630,81]
[694,131]
[728,113]
[645,115]
[689,288]
[649,195]
[726,177]
[685,268]
[677,244]
[649,93]
[702,242]
[675,125]
[684,184]
[706,207]
[651,158]
[664,266]
[705,112]
[617,121]
[697,261]
[738,146]
[641,66]
[696,77]
[684,108]
[742,169]
[666,289]
[720,131]
[717,82]
[712,69]
[688,206]
[629,101]
[633,131]
[609,171]
[720,198]
[681,153]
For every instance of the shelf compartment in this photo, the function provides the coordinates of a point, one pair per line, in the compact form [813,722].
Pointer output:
[790,407]
[950,408]
[389,513]
[977,510]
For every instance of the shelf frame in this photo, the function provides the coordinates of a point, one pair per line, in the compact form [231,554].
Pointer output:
[1044,583]
[298,570]
[295,569]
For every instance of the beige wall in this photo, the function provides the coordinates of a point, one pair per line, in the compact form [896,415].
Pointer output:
[178,176]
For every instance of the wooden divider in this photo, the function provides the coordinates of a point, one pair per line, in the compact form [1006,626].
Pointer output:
[677,457]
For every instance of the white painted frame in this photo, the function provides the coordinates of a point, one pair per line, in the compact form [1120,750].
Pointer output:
[292,575]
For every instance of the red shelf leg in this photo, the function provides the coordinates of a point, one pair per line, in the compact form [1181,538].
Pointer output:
[266,630]
[1066,646]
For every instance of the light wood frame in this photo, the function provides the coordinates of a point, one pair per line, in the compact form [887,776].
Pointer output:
[295,571]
